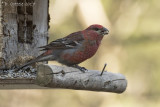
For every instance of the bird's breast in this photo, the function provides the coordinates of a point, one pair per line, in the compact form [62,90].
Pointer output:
[76,56]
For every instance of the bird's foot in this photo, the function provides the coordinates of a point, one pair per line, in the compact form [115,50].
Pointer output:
[83,69]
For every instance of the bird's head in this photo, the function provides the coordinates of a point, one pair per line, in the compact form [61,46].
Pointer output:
[99,29]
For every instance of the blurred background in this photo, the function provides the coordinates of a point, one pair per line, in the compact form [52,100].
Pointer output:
[132,48]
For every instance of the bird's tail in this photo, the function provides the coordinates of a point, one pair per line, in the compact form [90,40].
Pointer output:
[40,58]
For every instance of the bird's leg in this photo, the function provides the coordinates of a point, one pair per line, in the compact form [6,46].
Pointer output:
[83,69]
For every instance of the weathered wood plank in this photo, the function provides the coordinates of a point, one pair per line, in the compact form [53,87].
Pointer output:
[12,50]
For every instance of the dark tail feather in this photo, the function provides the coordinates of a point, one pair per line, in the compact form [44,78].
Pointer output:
[26,64]
[38,59]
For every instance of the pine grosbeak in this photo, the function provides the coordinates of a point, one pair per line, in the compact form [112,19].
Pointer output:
[74,48]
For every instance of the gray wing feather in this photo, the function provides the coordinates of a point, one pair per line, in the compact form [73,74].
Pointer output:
[70,41]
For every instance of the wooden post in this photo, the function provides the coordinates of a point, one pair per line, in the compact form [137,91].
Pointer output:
[23,28]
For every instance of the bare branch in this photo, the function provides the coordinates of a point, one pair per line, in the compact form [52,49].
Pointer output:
[70,78]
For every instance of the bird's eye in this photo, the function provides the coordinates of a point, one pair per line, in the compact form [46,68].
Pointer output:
[96,29]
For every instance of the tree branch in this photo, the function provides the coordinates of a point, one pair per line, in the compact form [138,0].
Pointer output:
[71,78]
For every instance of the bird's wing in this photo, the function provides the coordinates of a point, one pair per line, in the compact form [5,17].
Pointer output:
[70,41]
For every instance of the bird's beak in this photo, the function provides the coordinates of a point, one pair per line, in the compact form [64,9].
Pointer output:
[105,31]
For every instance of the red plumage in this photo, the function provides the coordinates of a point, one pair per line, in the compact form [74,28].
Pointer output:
[74,48]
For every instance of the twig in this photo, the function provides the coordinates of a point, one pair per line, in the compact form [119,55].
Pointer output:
[57,72]
[103,69]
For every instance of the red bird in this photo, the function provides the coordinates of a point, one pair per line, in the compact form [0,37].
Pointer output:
[74,48]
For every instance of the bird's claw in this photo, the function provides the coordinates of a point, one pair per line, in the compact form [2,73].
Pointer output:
[83,69]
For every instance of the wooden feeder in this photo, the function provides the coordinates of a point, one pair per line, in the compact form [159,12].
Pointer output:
[23,28]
